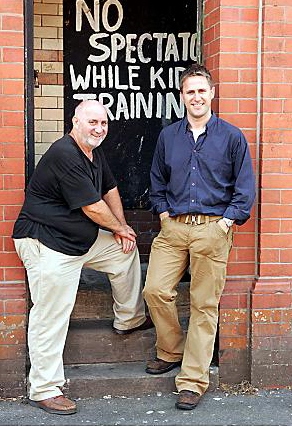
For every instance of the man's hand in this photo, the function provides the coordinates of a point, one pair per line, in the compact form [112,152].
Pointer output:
[223,226]
[163,215]
[127,245]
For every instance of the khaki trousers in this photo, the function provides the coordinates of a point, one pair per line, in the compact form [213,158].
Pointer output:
[53,279]
[205,249]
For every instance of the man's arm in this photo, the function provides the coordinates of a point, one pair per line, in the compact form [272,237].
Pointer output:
[244,186]
[101,213]
[113,200]
[109,214]
[158,177]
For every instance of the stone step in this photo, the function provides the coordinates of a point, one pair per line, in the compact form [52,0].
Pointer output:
[94,297]
[121,379]
[93,341]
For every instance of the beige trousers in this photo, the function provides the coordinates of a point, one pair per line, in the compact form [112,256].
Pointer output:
[205,249]
[53,280]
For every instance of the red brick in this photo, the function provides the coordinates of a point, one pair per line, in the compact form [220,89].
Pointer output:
[11,135]
[286,225]
[15,306]
[11,38]
[13,55]
[11,212]
[49,78]
[273,29]
[241,269]
[13,337]
[12,103]
[15,274]
[8,164]
[11,6]
[13,87]
[238,29]
[12,22]
[8,259]
[260,301]
[12,351]
[276,181]
[274,13]
[11,70]
[6,228]
[247,105]
[8,244]
[10,150]
[249,14]
[14,181]
[46,55]
[276,241]
[228,301]
[277,269]
[234,343]
[271,226]
[269,255]
[271,329]
[229,14]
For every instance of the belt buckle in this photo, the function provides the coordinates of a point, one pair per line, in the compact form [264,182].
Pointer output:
[196,219]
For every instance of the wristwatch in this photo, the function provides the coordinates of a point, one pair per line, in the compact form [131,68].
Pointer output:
[228,222]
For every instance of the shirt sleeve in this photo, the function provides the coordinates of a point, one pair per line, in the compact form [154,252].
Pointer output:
[244,186]
[78,189]
[159,177]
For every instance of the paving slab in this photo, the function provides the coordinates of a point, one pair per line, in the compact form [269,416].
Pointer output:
[217,408]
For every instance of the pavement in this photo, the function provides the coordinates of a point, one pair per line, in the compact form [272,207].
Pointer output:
[237,407]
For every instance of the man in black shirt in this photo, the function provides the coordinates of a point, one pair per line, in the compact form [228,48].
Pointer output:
[202,182]
[71,194]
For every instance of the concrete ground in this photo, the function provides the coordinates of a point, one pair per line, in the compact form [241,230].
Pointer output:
[217,408]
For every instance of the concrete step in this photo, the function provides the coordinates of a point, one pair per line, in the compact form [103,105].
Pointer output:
[93,341]
[94,297]
[121,379]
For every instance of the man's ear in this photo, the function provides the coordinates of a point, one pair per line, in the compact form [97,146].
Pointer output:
[213,92]
[75,122]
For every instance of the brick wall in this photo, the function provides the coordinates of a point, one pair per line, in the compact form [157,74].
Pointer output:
[48,61]
[254,74]
[271,297]
[230,51]
[253,92]
[12,289]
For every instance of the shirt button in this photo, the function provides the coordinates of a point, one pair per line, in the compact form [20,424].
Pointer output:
[194,168]
[193,201]
[193,184]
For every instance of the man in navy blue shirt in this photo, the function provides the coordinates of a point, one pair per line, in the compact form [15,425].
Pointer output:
[202,182]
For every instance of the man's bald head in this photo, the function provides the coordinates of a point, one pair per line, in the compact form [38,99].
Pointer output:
[87,105]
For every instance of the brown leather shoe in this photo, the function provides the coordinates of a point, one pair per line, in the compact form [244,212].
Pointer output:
[159,366]
[144,326]
[56,405]
[187,400]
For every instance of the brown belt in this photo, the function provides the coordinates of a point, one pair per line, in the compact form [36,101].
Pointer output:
[194,219]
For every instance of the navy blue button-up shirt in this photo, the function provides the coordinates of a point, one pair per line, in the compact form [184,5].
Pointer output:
[213,176]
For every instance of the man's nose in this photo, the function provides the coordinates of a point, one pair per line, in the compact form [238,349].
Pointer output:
[197,96]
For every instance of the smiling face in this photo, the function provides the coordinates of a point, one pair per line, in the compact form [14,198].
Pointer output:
[197,95]
[90,125]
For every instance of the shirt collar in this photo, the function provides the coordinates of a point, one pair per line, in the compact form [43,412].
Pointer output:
[210,123]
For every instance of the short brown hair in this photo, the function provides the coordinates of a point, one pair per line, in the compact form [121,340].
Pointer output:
[195,69]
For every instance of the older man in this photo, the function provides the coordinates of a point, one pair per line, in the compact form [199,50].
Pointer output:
[71,194]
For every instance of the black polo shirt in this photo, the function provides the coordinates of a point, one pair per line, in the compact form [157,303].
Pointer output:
[64,181]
